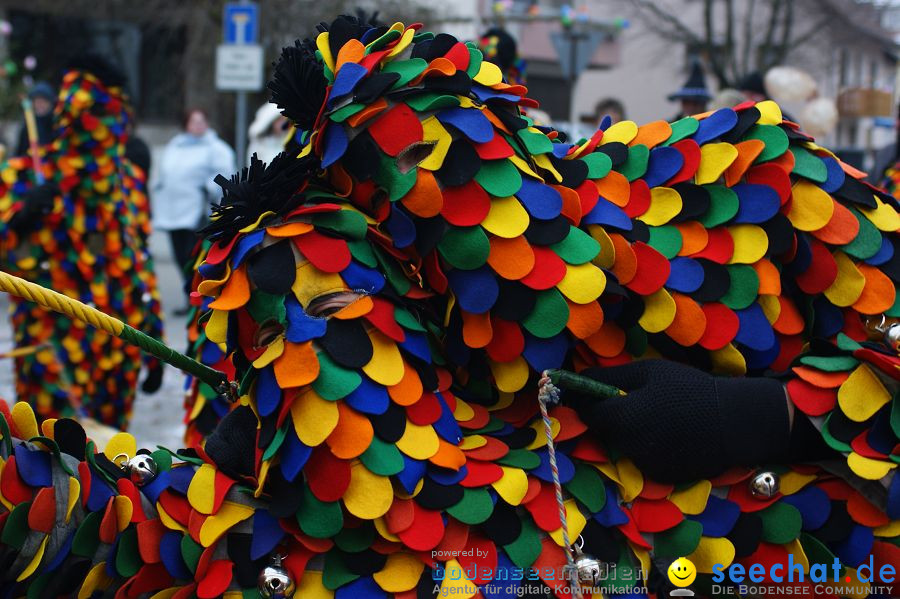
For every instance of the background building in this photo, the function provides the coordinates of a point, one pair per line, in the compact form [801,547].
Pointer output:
[847,46]
[643,49]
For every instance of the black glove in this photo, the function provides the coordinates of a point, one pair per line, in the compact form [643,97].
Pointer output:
[232,446]
[36,203]
[154,377]
[677,423]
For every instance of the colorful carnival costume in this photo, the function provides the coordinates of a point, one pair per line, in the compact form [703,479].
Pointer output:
[388,440]
[87,239]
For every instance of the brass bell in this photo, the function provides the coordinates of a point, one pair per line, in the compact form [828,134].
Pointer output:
[275,582]
[764,484]
[141,469]
[892,337]
[588,570]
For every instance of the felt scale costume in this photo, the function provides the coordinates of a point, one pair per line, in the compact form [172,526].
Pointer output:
[386,300]
[91,245]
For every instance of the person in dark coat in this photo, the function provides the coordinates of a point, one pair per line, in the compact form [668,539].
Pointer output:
[693,95]
[43,99]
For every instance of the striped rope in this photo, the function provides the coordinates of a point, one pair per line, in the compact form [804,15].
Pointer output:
[549,393]
[74,309]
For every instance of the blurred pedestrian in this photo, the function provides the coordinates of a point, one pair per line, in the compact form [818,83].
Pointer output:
[693,95]
[136,149]
[136,173]
[267,133]
[43,99]
[726,98]
[610,107]
[185,187]
[500,48]
[753,87]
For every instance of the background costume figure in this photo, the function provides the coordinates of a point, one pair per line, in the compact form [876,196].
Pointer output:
[82,233]
[693,95]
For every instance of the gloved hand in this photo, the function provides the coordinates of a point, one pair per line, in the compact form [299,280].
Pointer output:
[677,423]
[37,202]
[154,377]
[232,446]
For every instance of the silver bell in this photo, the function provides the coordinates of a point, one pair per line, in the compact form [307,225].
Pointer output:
[892,337]
[274,582]
[589,571]
[141,469]
[764,484]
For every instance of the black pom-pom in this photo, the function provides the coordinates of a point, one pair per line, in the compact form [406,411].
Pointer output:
[258,189]
[298,86]
[100,67]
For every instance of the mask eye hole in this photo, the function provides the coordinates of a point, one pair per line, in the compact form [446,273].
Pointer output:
[413,154]
[327,304]
[267,333]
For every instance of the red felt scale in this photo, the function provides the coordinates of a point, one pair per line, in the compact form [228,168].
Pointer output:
[396,129]
[327,475]
[466,205]
[328,254]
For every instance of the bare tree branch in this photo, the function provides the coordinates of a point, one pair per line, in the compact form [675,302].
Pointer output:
[748,39]
[710,41]
[815,29]
[770,30]
[676,28]
[786,30]
[730,50]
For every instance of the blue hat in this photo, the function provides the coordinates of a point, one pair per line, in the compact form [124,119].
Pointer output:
[695,86]
[42,89]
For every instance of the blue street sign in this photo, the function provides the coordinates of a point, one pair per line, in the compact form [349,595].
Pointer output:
[241,23]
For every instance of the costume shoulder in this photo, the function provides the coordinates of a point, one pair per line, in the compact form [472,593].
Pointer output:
[741,237]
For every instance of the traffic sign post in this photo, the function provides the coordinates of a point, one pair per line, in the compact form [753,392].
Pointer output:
[575,50]
[240,23]
[239,64]
[239,68]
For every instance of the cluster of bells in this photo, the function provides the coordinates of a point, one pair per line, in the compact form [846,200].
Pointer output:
[275,581]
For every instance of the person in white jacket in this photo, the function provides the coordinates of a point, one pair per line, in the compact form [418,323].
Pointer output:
[185,187]
[267,133]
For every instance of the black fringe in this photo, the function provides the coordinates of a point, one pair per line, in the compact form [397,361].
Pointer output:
[258,189]
[298,85]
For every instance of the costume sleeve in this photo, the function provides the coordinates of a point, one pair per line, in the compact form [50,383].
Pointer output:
[15,181]
[851,392]
[76,521]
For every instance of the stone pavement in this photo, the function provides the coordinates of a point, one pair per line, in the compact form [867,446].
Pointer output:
[157,418]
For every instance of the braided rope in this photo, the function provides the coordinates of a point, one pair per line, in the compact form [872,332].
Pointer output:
[26,350]
[549,393]
[75,309]
[60,303]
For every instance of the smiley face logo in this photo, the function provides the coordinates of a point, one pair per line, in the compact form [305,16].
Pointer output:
[682,572]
